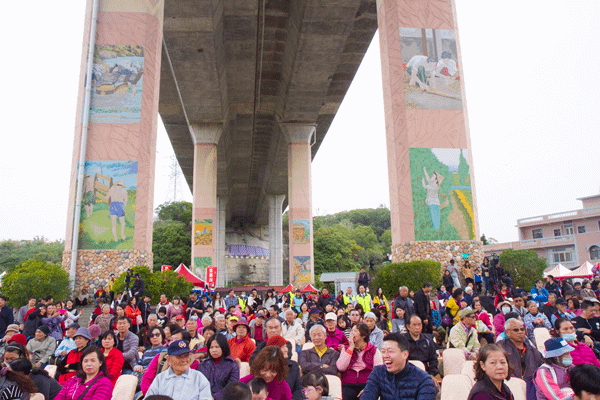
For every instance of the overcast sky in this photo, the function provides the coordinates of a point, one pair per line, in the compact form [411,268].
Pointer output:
[532,79]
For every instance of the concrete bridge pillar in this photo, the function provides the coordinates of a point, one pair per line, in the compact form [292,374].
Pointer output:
[116,212]
[300,202]
[275,240]
[220,237]
[432,191]
[204,215]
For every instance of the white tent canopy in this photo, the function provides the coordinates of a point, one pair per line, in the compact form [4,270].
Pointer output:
[559,271]
[584,271]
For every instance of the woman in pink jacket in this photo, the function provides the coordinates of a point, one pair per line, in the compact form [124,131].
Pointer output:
[582,353]
[91,380]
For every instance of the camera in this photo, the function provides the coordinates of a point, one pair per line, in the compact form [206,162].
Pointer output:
[128,277]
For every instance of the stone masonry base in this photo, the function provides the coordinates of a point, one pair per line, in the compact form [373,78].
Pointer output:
[439,250]
[95,266]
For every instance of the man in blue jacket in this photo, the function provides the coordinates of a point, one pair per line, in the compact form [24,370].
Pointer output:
[397,379]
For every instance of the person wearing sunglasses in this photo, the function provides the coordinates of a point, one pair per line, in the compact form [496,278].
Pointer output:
[157,337]
[522,354]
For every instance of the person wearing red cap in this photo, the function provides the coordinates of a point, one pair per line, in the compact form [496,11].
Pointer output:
[241,345]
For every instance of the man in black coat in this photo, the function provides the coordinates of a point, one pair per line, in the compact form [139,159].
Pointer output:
[195,305]
[138,287]
[404,302]
[145,308]
[325,299]
[423,306]
[421,346]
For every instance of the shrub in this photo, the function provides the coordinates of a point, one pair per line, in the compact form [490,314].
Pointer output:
[35,278]
[411,274]
[157,283]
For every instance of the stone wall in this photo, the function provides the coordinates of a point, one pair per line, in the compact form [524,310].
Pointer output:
[95,266]
[440,250]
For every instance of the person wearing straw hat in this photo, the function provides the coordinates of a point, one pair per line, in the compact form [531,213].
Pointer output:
[552,379]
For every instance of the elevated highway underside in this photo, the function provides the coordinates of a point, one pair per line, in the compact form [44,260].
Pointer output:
[252,65]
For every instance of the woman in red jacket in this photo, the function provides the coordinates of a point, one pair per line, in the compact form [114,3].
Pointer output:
[241,345]
[132,312]
[114,358]
[72,362]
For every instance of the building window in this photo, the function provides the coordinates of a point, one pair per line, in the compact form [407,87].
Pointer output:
[557,232]
[595,253]
[563,256]
[537,233]
[569,229]
[581,229]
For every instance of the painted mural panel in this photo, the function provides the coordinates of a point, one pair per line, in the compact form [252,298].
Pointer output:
[302,269]
[441,193]
[117,81]
[108,205]
[200,265]
[301,231]
[431,77]
[203,232]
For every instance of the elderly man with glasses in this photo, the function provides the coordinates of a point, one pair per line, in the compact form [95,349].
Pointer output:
[522,354]
[464,335]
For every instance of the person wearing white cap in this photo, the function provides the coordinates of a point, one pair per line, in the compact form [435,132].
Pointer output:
[551,379]
[335,337]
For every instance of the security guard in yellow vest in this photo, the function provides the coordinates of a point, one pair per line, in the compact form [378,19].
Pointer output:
[364,299]
[349,297]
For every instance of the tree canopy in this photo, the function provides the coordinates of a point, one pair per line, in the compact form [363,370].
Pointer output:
[177,211]
[35,278]
[14,252]
[524,267]
[171,244]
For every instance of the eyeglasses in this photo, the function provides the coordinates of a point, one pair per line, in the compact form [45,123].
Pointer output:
[156,335]
[309,389]
[519,329]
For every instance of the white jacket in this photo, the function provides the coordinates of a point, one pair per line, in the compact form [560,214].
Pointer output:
[296,332]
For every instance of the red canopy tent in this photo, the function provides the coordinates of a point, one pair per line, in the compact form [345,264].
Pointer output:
[189,276]
[309,289]
[288,288]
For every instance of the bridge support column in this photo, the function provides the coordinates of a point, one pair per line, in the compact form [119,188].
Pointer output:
[220,234]
[432,191]
[116,131]
[301,260]
[204,214]
[275,240]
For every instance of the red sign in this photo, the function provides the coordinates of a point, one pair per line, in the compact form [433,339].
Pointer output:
[166,268]
[211,277]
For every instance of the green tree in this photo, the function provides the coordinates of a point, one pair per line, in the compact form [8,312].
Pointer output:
[524,267]
[484,239]
[178,211]
[411,274]
[157,283]
[35,278]
[14,252]
[171,244]
[364,236]
[386,241]
[335,251]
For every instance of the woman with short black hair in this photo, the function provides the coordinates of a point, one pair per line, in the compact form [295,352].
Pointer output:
[218,367]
